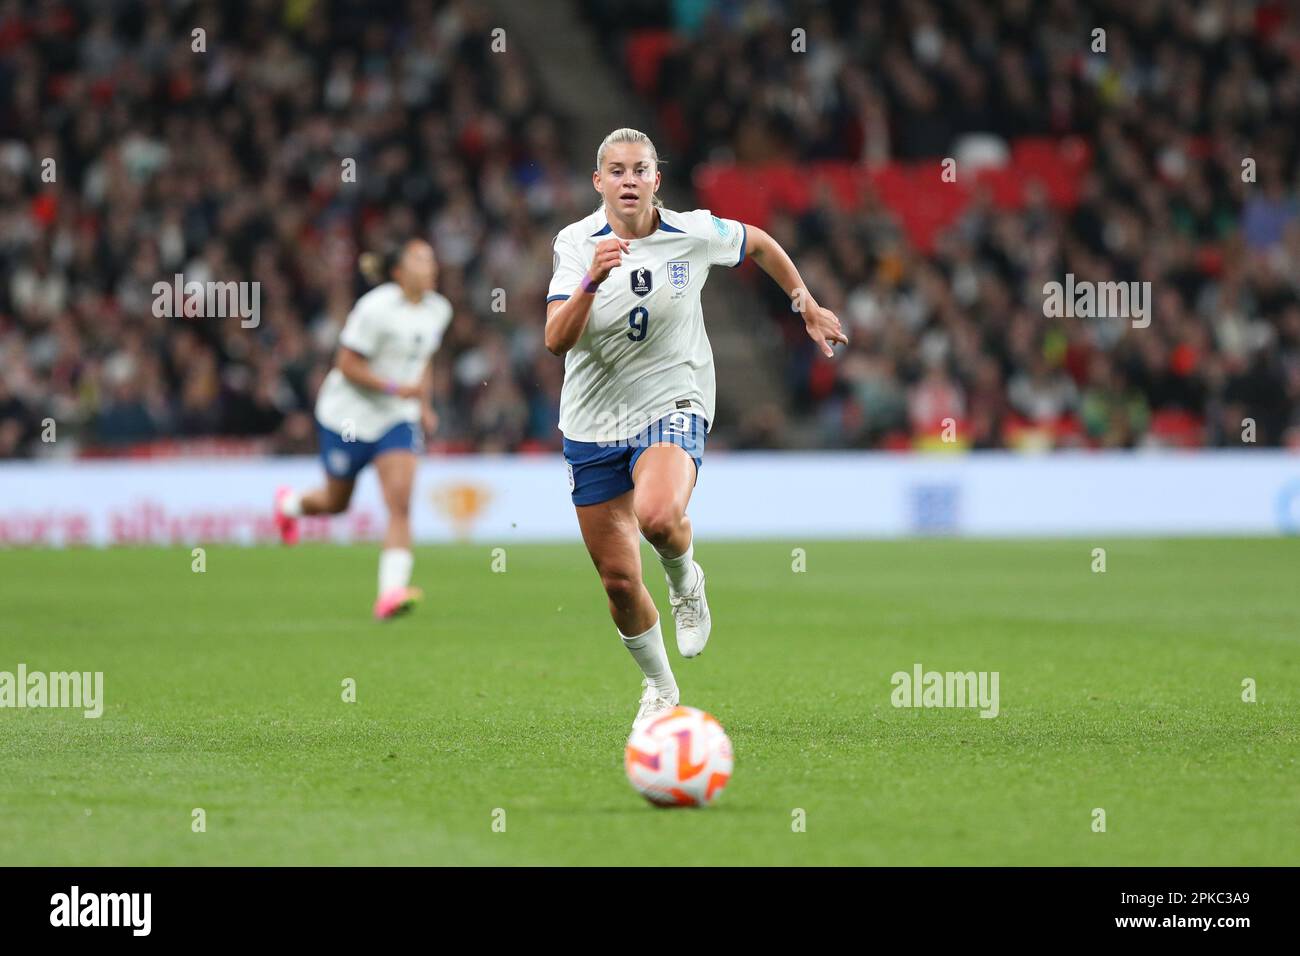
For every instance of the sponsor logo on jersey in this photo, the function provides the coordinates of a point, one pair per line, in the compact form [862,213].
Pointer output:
[683,403]
[641,281]
[679,273]
[724,230]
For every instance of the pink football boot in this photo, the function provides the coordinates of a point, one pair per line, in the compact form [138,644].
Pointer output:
[396,601]
[287,525]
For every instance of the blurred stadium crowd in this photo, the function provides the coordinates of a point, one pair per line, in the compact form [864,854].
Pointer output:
[227,165]
[1183,92]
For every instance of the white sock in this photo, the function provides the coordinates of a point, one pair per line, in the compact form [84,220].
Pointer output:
[394,569]
[291,505]
[648,651]
[680,571]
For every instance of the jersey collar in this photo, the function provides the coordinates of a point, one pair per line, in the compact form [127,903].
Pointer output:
[663,227]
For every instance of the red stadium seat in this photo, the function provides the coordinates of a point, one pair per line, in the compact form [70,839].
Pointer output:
[1177,428]
[643,53]
[923,203]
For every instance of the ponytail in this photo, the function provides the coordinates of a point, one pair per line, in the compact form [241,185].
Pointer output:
[377,267]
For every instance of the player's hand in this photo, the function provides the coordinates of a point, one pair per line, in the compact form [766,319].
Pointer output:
[824,329]
[428,421]
[410,391]
[609,255]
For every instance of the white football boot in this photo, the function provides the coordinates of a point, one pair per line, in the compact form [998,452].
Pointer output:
[691,614]
[653,703]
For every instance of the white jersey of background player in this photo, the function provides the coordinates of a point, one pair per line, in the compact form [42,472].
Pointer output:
[638,397]
[398,337]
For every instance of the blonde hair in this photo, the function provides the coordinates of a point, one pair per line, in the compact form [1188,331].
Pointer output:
[636,138]
[377,267]
[371,265]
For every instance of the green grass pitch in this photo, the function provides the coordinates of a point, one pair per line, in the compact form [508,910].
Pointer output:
[1120,691]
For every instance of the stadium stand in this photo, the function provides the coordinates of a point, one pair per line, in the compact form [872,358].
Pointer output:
[1068,159]
[1123,165]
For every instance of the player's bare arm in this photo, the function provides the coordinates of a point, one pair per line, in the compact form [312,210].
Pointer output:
[566,320]
[822,325]
[356,369]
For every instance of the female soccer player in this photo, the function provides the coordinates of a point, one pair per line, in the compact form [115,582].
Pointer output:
[372,405]
[624,310]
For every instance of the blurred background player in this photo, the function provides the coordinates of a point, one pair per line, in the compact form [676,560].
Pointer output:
[638,391]
[373,407]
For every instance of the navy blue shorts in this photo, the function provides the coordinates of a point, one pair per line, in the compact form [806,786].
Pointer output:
[599,471]
[345,459]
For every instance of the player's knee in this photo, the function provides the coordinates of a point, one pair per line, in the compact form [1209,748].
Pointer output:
[620,584]
[338,502]
[659,522]
[400,507]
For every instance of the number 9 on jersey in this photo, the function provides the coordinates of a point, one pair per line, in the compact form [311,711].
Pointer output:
[638,321]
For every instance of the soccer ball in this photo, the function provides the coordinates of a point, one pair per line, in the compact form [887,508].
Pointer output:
[679,759]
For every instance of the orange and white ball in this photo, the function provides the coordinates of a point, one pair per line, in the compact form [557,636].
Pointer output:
[681,758]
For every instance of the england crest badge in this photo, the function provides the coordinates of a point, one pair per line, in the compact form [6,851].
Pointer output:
[679,273]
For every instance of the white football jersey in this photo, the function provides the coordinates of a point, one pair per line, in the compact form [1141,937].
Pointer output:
[643,353]
[397,337]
